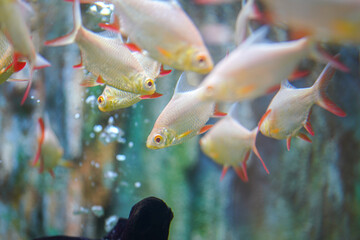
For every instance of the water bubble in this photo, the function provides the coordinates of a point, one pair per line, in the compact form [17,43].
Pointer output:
[97,128]
[38,101]
[93,8]
[81,210]
[92,135]
[110,223]
[32,97]
[111,120]
[91,100]
[136,124]
[110,175]
[97,165]
[77,115]
[146,120]
[131,144]
[120,157]
[105,11]
[98,211]
[137,184]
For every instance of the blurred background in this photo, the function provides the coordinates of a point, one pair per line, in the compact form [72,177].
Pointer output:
[312,191]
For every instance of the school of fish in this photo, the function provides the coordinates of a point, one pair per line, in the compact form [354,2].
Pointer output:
[146,38]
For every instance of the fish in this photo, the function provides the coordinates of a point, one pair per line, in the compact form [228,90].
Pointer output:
[113,99]
[182,118]
[166,32]
[335,21]
[149,219]
[248,11]
[229,144]
[289,110]
[7,64]
[107,58]
[255,67]
[13,26]
[49,153]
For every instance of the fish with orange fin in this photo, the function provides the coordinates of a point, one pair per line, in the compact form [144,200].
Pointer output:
[13,25]
[334,21]
[7,64]
[255,67]
[229,143]
[289,110]
[166,32]
[182,118]
[49,153]
[107,58]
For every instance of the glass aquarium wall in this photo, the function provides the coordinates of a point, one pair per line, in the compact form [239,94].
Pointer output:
[98,164]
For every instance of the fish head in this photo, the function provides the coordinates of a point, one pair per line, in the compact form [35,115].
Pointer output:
[198,60]
[144,84]
[160,138]
[102,103]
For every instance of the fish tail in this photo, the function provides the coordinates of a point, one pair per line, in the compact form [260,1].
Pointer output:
[69,38]
[320,89]
[40,141]
[254,133]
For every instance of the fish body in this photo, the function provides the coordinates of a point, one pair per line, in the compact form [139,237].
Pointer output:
[182,118]
[107,58]
[332,20]
[289,110]
[229,143]
[49,152]
[166,32]
[13,25]
[112,99]
[252,69]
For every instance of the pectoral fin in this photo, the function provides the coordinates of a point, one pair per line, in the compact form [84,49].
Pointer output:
[184,134]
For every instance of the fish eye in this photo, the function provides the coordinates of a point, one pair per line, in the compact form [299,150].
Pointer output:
[158,138]
[149,83]
[200,58]
[101,100]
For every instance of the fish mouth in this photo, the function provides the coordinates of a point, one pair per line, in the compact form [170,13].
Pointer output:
[205,70]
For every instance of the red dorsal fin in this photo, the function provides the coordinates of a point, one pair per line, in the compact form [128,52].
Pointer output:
[288,143]
[40,141]
[100,80]
[164,72]
[263,117]
[304,137]
[223,172]
[133,47]
[154,95]
[205,128]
